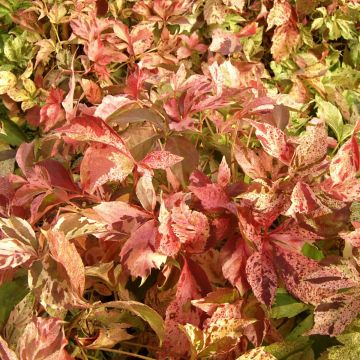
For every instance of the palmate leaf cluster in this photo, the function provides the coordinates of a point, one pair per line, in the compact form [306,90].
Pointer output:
[179,179]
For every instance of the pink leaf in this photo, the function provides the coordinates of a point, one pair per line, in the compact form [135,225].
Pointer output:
[111,165]
[92,91]
[43,339]
[14,253]
[110,104]
[64,252]
[138,254]
[346,163]
[190,227]
[5,352]
[304,201]
[161,159]
[52,113]
[145,192]
[293,268]
[334,313]
[167,242]
[224,173]
[90,128]
[122,215]
[312,146]
[262,277]
[273,141]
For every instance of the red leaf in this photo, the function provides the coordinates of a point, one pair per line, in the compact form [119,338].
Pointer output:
[273,141]
[212,196]
[161,159]
[138,254]
[234,256]
[262,277]
[180,311]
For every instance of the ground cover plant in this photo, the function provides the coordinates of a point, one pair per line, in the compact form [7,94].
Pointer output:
[179,179]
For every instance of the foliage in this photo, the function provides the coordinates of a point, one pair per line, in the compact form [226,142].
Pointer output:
[179,179]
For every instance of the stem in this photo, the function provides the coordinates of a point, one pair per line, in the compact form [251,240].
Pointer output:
[127,353]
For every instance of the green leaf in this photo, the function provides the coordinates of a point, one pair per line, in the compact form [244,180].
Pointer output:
[287,311]
[312,252]
[301,328]
[10,294]
[282,350]
[331,115]
[145,312]
[11,133]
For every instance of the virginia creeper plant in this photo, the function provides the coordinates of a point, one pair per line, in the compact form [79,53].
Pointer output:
[179,179]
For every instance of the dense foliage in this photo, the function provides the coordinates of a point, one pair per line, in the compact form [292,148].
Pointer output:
[179,179]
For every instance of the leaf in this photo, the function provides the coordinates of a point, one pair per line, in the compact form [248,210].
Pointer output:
[112,165]
[135,115]
[180,311]
[120,214]
[224,173]
[92,91]
[312,146]
[144,312]
[262,277]
[7,81]
[5,352]
[283,350]
[256,354]
[18,319]
[14,253]
[234,256]
[212,196]
[43,339]
[145,192]
[279,14]
[285,40]
[331,115]
[293,268]
[64,252]
[214,12]
[11,293]
[334,313]
[46,48]
[161,159]
[90,128]
[17,228]
[184,148]
[190,227]
[273,141]
[110,104]
[138,254]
